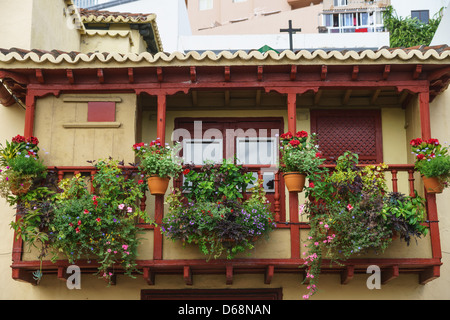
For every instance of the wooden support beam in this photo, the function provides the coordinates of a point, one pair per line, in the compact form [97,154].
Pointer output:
[187,275]
[23,276]
[194,98]
[193,73]
[149,276]
[347,274]
[293,74]
[260,73]
[429,274]
[62,273]
[269,274]
[317,96]
[403,96]
[389,274]
[100,76]
[417,72]
[130,75]
[355,73]
[159,74]
[375,96]
[323,72]
[227,73]
[347,95]
[229,274]
[40,76]
[258,98]
[70,77]
[386,72]
[113,280]
[227,98]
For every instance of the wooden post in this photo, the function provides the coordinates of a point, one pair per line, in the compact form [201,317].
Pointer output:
[159,199]
[30,102]
[425,124]
[293,196]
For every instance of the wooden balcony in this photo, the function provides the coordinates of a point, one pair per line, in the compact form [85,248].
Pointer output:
[280,254]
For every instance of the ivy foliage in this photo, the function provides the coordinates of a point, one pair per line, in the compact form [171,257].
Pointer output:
[409,32]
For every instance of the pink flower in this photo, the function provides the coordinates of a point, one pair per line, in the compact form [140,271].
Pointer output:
[129,209]
[77,230]
[349,207]
[109,250]
[98,219]
[86,211]
[124,247]
[79,222]
[121,206]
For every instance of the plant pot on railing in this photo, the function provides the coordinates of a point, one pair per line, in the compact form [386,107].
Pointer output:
[157,185]
[294,181]
[433,184]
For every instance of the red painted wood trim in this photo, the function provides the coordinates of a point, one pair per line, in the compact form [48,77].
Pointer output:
[161,125]
[389,274]
[424,101]
[157,235]
[30,103]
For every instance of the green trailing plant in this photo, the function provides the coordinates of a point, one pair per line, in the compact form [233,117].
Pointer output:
[409,32]
[100,225]
[351,213]
[216,217]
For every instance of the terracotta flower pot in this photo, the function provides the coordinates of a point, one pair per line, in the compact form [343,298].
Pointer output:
[158,185]
[21,187]
[294,181]
[432,184]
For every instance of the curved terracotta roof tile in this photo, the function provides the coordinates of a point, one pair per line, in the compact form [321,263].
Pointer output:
[435,54]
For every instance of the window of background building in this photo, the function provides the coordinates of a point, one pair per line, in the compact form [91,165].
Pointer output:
[205,4]
[421,15]
[338,3]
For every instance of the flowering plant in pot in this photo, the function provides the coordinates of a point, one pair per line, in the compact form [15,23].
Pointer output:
[217,217]
[433,162]
[100,225]
[351,213]
[159,163]
[300,157]
[21,167]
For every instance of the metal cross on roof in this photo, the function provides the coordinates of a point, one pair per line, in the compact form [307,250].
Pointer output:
[291,32]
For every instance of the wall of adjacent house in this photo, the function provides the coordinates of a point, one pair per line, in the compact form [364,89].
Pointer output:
[38,24]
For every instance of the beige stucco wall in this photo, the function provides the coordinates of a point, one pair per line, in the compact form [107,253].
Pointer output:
[67,145]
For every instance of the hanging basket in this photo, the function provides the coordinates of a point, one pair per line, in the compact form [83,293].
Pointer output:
[157,185]
[432,184]
[294,181]
[21,186]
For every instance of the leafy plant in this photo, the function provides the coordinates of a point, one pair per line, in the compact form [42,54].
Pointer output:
[216,217]
[409,32]
[350,214]
[100,225]
[300,153]
[158,159]
[431,159]
[212,182]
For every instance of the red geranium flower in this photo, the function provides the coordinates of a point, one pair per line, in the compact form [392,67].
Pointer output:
[301,134]
[186,171]
[138,145]
[18,139]
[294,143]
[33,140]
[416,142]
[433,141]
[287,135]
[420,156]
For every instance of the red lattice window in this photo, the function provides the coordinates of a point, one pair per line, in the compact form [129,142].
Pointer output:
[358,131]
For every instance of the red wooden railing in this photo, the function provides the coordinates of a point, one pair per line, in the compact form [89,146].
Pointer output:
[428,268]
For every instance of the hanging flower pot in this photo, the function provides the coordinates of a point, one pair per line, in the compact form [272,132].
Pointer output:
[433,184]
[294,181]
[21,186]
[157,185]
